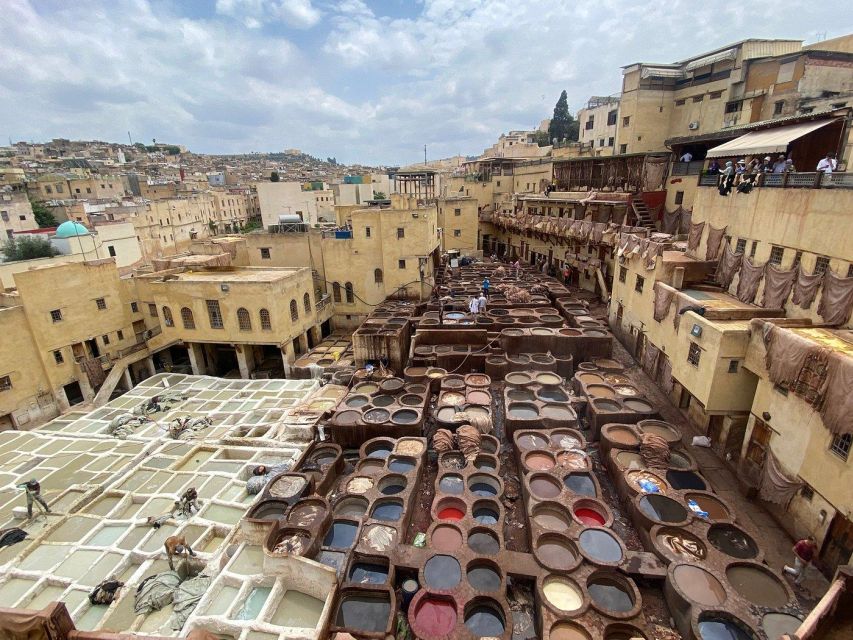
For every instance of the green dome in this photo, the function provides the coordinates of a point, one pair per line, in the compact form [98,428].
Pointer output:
[69,229]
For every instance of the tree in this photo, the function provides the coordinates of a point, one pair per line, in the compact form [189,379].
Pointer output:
[379,195]
[274,177]
[563,125]
[28,248]
[44,218]
[542,138]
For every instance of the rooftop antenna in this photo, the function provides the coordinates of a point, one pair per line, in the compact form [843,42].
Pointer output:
[129,138]
[425,160]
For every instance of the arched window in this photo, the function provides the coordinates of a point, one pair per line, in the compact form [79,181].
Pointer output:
[167,317]
[306,302]
[336,291]
[187,318]
[350,294]
[266,324]
[377,276]
[244,320]
[294,310]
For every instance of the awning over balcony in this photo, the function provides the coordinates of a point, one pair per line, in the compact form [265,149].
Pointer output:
[720,56]
[774,140]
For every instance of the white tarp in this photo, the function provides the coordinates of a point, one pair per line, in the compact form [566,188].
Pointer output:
[774,140]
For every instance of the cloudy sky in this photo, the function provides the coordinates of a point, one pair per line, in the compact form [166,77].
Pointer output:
[364,81]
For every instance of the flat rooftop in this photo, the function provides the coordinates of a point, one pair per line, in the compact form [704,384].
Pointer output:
[835,339]
[245,274]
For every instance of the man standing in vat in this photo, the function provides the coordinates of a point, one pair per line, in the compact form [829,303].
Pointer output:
[804,552]
[33,489]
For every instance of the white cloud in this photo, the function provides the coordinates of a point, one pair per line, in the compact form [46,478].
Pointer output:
[300,14]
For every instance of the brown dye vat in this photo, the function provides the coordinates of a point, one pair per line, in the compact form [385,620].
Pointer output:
[616,378]
[484,462]
[635,404]
[405,416]
[556,552]
[348,417]
[699,585]
[479,397]
[758,585]
[557,412]
[600,391]
[714,507]
[415,373]
[568,631]
[621,631]
[570,332]
[551,516]
[547,378]
[567,439]
[587,366]
[539,461]
[452,460]
[680,543]
[359,485]
[308,512]
[370,466]
[518,378]
[351,506]
[530,440]
[408,447]
[522,411]
[366,388]
[629,460]
[544,487]
[626,390]
[288,486]
[489,444]
[573,460]
[453,381]
[446,538]
[775,625]
[732,541]
[477,380]
[447,415]
[391,385]
[620,436]
[451,399]
[668,432]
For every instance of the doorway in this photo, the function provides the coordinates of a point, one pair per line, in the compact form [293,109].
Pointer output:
[838,545]
[92,345]
[73,393]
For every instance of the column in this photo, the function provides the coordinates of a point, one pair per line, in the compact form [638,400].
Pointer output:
[196,361]
[149,363]
[128,381]
[243,362]
[303,342]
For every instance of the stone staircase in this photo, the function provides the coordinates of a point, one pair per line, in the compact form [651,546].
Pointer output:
[642,213]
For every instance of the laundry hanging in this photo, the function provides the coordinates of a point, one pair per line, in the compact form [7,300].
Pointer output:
[750,277]
[694,237]
[836,408]
[776,486]
[712,244]
[805,288]
[777,287]
[727,268]
[836,302]
[663,298]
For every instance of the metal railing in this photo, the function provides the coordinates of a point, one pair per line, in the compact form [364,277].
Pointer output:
[790,180]
[692,168]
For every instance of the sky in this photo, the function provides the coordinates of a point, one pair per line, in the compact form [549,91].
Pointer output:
[367,82]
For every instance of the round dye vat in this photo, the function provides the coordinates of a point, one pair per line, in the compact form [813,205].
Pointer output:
[347,417]
[565,440]
[417,388]
[775,625]
[452,399]
[556,552]
[392,485]
[630,460]
[451,483]
[340,535]
[483,486]
[620,435]
[485,463]
[288,486]
[665,430]
[376,416]
[732,541]
[366,387]
[355,507]
[368,573]
[635,404]
[531,441]
[380,449]
[401,465]
[520,395]
[568,631]
[479,397]
[562,593]
[580,483]
[478,380]
[307,513]
[599,545]
[573,460]
[484,542]
[757,585]
[552,394]
[485,514]
[356,401]
[451,513]
[370,465]
[442,572]
[662,509]
[489,444]
[522,411]
[626,390]
[539,461]
[485,620]
[405,416]
[391,385]
[606,405]
[446,414]
[722,629]
[682,480]
[699,585]
[548,378]
[715,509]
[359,484]
[610,594]
[452,461]
[411,400]
[484,577]
[557,412]
[681,544]
[589,517]
[446,538]
[635,477]
[600,391]
[679,460]
[587,377]
[517,378]
[434,616]
[551,519]
[544,487]
[387,510]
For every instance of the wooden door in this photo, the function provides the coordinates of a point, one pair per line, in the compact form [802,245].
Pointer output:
[837,546]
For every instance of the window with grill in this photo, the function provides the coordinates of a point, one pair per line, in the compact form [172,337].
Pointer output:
[778,106]
[214,314]
[100,303]
[821,264]
[457,233]
[266,323]
[740,247]
[626,121]
[610,141]
[377,276]
[776,254]
[457,212]
[679,197]
[57,357]
[638,285]
[401,264]
[401,232]
[753,248]
[265,253]
[294,310]
[152,310]
[167,317]
[244,320]
[367,232]
[349,292]
[841,445]
[5,383]
[56,315]
[698,98]
[306,303]
[336,291]
[715,94]
[733,365]
[106,339]
[693,354]
[120,335]
[623,273]
[611,118]
[680,103]
[187,318]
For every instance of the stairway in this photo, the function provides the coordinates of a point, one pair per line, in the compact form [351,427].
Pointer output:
[641,211]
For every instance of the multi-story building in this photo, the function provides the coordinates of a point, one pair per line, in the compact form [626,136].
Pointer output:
[458,222]
[16,212]
[598,124]
[169,225]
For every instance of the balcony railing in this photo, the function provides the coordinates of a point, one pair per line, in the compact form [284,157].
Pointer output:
[791,180]
[692,168]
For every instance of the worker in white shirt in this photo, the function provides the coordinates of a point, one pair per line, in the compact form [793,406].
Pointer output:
[827,164]
[481,303]
[687,157]
[474,305]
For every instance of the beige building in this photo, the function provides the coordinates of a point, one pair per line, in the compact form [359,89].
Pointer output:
[16,213]
[598,124]
[169,225]
[459,223]
[291,198]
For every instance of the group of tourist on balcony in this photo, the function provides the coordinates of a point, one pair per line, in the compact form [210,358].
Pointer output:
[743,175]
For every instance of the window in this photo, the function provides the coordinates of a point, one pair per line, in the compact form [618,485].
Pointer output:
[753,248]
[610,141]
[266,323]
[698,98]
[740,247]
[401,264]
[733,365]
[377,276]
[850,270]
[4,215]
[590,122]
[777,107]
[821,264]
[693,354]
[56,315]
[152,310]
[349,293]
[638,286]
[807,493]
[619,312]
[841,445]
[120,335]
[776,254]
[214,314]
[626,121]
[187,318]
[367,232]
[57,356]
[265,253]
[336,291]
[294,311]
[623,148]
[623,273]
[498,183]
[167,317]
[457,233]
[601,142]
[22,217]
[778,388]
[611,118]
[76,190]
[401,232]
[106,340]
[679,197]
[733,107]
[47,189]
[134,307]
[100,303]
[714,95]
[111,250]
[244,320]
[5,383]
[798,257]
